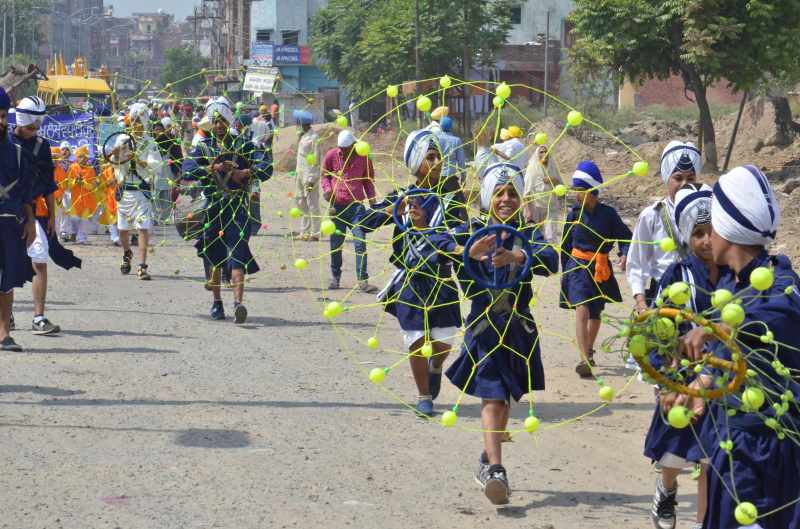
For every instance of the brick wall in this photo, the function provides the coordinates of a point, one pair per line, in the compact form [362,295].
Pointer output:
[670,92]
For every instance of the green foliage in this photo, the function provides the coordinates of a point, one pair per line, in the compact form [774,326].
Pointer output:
[29,31]
[181,70]
[367,45]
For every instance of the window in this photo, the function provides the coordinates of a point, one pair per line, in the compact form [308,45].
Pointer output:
[290,37]
[263,35]
[516,15]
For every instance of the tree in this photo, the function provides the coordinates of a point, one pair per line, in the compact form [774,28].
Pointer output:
[367,45]
[703,41]
[182,70]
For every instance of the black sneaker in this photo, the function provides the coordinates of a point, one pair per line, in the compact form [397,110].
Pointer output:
[8,344]
[44,326]
[495,485]
[239,313]
[142,272]
[333,284]
[664,503]
[217,311]
[125,267]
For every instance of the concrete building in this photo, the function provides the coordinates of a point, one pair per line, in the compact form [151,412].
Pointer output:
[69,29]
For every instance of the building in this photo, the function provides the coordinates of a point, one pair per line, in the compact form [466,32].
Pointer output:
[69,29]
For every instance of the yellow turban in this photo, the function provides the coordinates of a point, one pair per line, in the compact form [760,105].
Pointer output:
[439,112]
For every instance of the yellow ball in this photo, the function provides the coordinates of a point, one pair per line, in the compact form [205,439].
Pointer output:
[427,350]
[311,159]
[721,297]
[560,190]
[574,118]
[733,314]
[667,244]
[327,227]
[300,263]
[372,342]
[679,293]
[746,513]
[295,213]
[762,278]
[392,90]
[531,424]
[664,328]
[540,138]
[641,168]
[503,90]
[449,419]
[638,346]
[679,417]
[445,82]
[362,148]
[498,102]
[606,393]
[424,103]
[753,398]
[377,375]
[341,122]
[334,308]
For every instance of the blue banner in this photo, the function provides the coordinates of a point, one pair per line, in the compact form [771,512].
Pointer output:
[287,54]
[77,129]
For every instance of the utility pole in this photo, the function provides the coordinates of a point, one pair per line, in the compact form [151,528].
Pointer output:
[13,28]
[465,73]
[546,61]
[5,16]
[416,58]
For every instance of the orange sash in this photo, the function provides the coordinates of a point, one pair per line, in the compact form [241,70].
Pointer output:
[602,266]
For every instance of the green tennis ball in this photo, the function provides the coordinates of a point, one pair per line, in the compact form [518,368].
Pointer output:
[377,375]
[746,513]
[424,104]
[762,278]
[667,244]
[295,213]
[606,393]
[679,293]
[753,398]
[638,346]
[560,190]
[498,102]
[334,309]
[531,424]
[574,118]
[300,263]
[445,82]
[641,168]
[503,90]
[449,419]
[427,350]
[392,90]
[679,417]
[327,227]
[372,342]
[721,297]
[362,148]
[733,314]
[341,122]
[540,138]
[311,159]
[664,328]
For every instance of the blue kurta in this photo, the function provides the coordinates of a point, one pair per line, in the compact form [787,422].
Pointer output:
[421,293]
[662,438]
[224,240]
[501,342]
[590,231]
[17,183]
[766,470]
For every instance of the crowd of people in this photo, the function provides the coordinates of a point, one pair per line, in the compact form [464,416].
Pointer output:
[442,253]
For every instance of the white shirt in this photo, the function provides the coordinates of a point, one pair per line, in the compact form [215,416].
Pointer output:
[646,261]
[147,152]
[515,152]
[261,129]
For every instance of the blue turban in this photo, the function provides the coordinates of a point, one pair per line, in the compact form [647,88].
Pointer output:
[447,123]
[303,117]
[587,176]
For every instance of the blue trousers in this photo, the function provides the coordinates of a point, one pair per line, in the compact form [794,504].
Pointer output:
[347,217]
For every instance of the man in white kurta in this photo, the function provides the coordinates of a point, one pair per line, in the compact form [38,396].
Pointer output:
[307,178]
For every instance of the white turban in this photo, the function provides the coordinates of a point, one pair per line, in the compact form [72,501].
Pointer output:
[30,111]
[65,145]
[744,209]
[692,207]
[140,112]
[221,107]
[166,122]
[500,174]
[345,139]
[679,156]
[418,143]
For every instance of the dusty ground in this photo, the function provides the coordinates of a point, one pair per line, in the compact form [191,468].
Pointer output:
[146,414]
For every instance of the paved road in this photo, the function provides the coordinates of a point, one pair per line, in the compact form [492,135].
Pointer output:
[146,414]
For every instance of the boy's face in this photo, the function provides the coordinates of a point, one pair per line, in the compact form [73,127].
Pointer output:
[28,131]
[700,242]
[505,202]
[430,169]
[678,180]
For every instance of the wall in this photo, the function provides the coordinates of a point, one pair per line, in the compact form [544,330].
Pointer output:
[670,93]
[534,20]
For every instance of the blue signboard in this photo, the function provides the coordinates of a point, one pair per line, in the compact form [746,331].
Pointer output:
[287,54]
[77,129]
[261,53]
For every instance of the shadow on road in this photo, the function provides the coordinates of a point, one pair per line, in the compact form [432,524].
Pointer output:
[41,390]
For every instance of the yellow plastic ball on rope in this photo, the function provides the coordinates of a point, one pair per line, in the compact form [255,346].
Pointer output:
[641,168]
[638,346]
[449,419]
[498,102]
[679,417]
[445,82]
[377,375]
[503,90]
[362,148]
[762,278]
[341,122]
[392,90]
[679,293]
[327,227]
[664,328]
[606,393]
[424,104]
[746,513]
[753,398]
[531,424]
[295,213]
[427,350]
[560,190]
[372,342]
[667,244]
[733,314]
[540,138]
[721,297]
[311,159]
[333,309]
[300,263]
[574,118]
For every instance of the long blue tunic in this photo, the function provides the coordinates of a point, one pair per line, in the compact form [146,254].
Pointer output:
[17,191]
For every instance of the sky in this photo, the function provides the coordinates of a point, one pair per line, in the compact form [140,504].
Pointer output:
[180,8]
